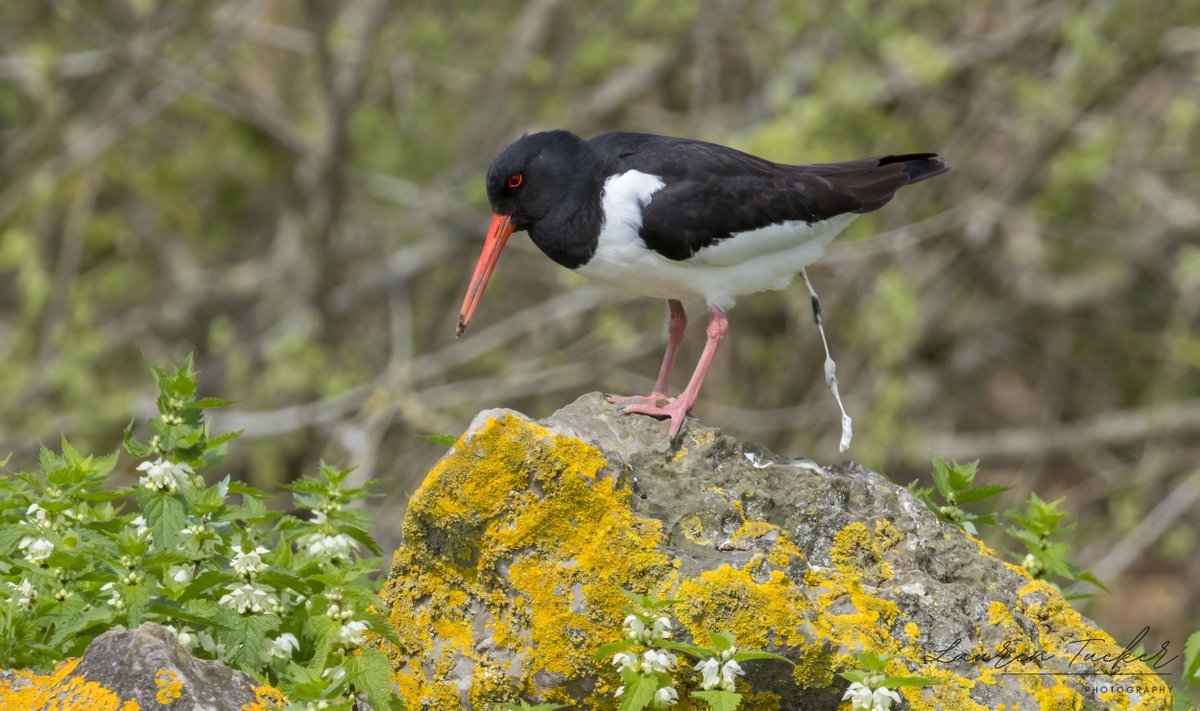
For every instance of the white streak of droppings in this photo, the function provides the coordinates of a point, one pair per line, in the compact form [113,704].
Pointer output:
[830,370]
[755,461]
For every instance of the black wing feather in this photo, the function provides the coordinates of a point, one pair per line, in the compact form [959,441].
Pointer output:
[713,192]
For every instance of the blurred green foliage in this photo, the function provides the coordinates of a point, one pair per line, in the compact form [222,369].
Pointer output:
[294,191]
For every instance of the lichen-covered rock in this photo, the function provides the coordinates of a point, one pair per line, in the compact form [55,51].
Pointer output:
[518,540]
[128,670]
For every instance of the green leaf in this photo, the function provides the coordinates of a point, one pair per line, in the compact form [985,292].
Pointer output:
[245,638]
[209,402]
[689,649]
[4,462]
[172,612]
[608,650]
[371,672]
[874,662]
[854,675]
[165,517]
[1191,656]
[442,439]
[723,641]
[719,700]
[981,492]
[639,691]
[756,654]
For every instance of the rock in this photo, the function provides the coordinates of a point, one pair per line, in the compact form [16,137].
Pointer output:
[127,670]
[517,541]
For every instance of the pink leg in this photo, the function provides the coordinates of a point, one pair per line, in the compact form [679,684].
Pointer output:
[678,407]
[675,326]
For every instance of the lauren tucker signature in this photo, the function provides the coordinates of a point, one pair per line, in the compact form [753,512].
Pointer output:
[1005,655]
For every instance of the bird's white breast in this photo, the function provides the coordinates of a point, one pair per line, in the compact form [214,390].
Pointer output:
[764,259]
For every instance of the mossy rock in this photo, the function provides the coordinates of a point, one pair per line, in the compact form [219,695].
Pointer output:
[518,541]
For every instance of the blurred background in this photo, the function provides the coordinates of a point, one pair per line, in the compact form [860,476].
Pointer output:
[294,191]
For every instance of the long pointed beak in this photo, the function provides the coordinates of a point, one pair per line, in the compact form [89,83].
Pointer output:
[497,236]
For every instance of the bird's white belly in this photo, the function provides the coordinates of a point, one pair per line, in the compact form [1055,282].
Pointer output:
[765,259]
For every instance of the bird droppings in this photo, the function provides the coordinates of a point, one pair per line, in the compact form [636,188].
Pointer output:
[518,539]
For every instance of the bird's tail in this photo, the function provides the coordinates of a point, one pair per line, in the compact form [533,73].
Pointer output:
[917,166]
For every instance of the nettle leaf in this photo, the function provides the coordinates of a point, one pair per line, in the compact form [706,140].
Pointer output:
[756,654]
[1191,656]
[608,650]
[164,514]
[371,672]
[981,492]
[209,402]
[689,649]
[325,631]
[4,462]
[719,700]
[639,691]
[206,582]
[941,477]
[171,612]
[380,626]
[245,638]
[723,641]
[854,676]
[874,662]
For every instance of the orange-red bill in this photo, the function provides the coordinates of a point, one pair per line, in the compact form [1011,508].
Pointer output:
[497,236]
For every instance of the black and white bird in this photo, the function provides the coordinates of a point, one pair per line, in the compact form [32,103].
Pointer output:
[673,218]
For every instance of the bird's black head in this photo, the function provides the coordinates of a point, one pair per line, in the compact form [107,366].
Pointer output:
[537,174]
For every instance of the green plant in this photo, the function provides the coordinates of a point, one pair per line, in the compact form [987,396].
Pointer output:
[648,676]
[1040,522]
[872,689]
[524,706]
[287,598]
[954,483]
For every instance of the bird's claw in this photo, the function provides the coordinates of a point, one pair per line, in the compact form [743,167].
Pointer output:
[674,408]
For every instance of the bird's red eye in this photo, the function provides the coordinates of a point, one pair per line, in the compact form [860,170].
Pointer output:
[514,181]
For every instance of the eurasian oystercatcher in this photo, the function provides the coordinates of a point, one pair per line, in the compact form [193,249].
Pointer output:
[673,218]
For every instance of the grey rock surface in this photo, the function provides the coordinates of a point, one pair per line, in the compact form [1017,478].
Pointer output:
[814,562]
[137,669]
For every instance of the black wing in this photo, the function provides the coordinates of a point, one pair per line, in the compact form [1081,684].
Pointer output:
[713,192]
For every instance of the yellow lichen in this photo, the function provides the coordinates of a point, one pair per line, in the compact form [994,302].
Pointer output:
[60,691]
[519,539]
[170,687]
[535,508]
[266,697]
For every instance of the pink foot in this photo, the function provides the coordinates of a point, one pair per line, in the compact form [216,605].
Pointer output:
[654,398]
[675,408]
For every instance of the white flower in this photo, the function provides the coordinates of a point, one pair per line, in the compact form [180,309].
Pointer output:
[250,597]
[38,516]
[142,530]
[662,627]
[250,563]
[324,545]
[36,550]
[200,540]
[351,633]
[729,673]
[883,699]
[623,660]
[620,690]
[665,696]
[710,669]
[655,661]
[284,646]
[634,627]
[164,475]
[860,695]
[210,645]
[180,573]
[28,594]
[114,598]
[864,698]
[186,638]
[334,673]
